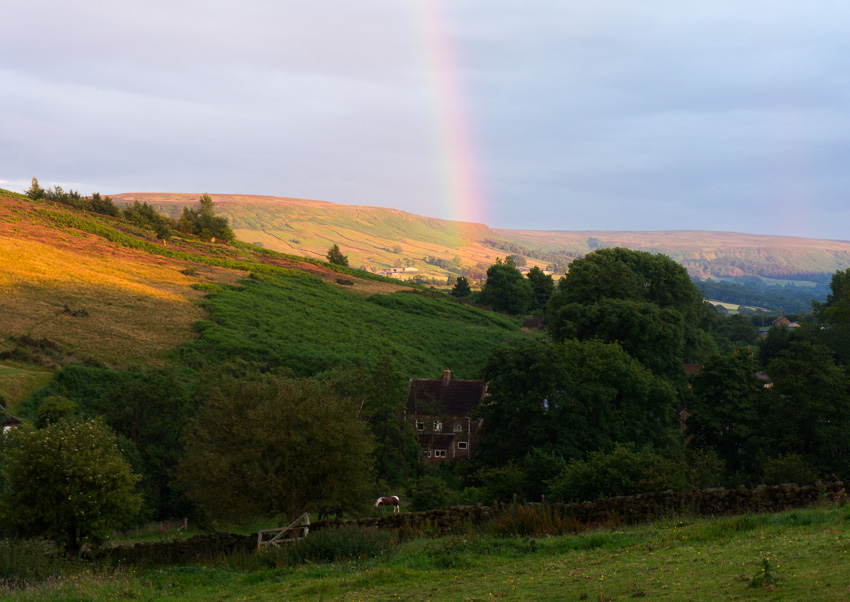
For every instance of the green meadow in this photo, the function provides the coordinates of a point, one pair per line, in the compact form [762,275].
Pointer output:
[799,555]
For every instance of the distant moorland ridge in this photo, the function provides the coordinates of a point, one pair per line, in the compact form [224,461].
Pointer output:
[376,237]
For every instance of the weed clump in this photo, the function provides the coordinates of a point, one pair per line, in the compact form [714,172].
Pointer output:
[534,521]
[334,545]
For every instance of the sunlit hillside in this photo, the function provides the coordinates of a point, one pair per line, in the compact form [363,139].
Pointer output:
[375,237]
[99,289]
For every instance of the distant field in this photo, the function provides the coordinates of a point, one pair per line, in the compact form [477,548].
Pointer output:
[733,307]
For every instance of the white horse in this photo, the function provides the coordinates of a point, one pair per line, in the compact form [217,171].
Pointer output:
[391,500]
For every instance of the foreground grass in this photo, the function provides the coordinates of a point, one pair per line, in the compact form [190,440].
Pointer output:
[800,555]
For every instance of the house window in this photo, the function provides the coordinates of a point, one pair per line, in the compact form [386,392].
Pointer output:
[420,425]
[439,453]
[426,453]
[438,426]
[458,427]
[462,445]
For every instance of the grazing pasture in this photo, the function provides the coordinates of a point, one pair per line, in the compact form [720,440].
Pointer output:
[797,555]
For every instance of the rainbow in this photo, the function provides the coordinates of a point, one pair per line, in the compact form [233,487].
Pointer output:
[461,193]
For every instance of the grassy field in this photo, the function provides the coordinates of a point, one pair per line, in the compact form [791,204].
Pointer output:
[799,555]
[17,382]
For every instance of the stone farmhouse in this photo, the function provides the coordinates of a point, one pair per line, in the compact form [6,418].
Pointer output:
[441,412]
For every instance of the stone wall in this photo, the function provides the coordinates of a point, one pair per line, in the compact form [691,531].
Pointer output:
[182,551]
[626,509]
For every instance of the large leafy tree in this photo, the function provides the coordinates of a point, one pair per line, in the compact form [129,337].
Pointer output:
[506,289]
[833,315]
[810,407]
[610,295]
[267,446]
[396,450]
[570,399]
[650,334]
[728,410]
[67,482]
[542,287]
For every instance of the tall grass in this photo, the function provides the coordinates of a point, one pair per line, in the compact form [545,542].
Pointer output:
[534,520]
[333,545]
[24,562]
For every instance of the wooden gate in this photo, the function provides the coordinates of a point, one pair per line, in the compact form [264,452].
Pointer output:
[295,530]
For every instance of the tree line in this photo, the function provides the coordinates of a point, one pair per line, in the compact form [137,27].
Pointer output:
[200,221]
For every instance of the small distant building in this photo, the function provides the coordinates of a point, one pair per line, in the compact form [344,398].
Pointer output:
[440,411]
[533,322]
[785,322]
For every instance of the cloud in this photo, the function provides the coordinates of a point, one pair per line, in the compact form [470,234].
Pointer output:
[607,115]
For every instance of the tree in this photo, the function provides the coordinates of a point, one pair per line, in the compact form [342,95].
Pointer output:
[336,257]
[505,288]
[833,315]
[609,278]
[569,399]
[396,450]
[810,408]
[542,287]
[67,482]
[204,223]
[650,334]
[461,288]
[35,191]
[267,446]
[728,411]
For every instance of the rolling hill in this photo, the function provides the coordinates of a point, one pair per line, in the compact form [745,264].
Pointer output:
[375,237]
[81,288]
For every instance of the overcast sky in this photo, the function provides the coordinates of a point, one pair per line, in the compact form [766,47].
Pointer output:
[654,115]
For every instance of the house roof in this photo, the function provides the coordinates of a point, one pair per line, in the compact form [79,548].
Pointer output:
[692,369]
[444,396]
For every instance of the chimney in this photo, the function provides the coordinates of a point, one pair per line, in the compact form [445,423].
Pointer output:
[447,377]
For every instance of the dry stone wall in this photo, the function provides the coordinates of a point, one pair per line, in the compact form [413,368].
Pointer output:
[626,509]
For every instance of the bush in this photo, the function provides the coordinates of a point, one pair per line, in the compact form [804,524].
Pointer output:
[622,471]
[789,468]
[430,492]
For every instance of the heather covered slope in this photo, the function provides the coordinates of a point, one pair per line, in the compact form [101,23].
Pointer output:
[84,288]
[379,238]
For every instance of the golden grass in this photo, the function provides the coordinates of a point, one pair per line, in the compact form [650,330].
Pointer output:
[139,306]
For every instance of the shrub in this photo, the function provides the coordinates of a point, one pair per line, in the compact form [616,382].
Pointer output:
[789,468]
[624,470]
[431,492]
